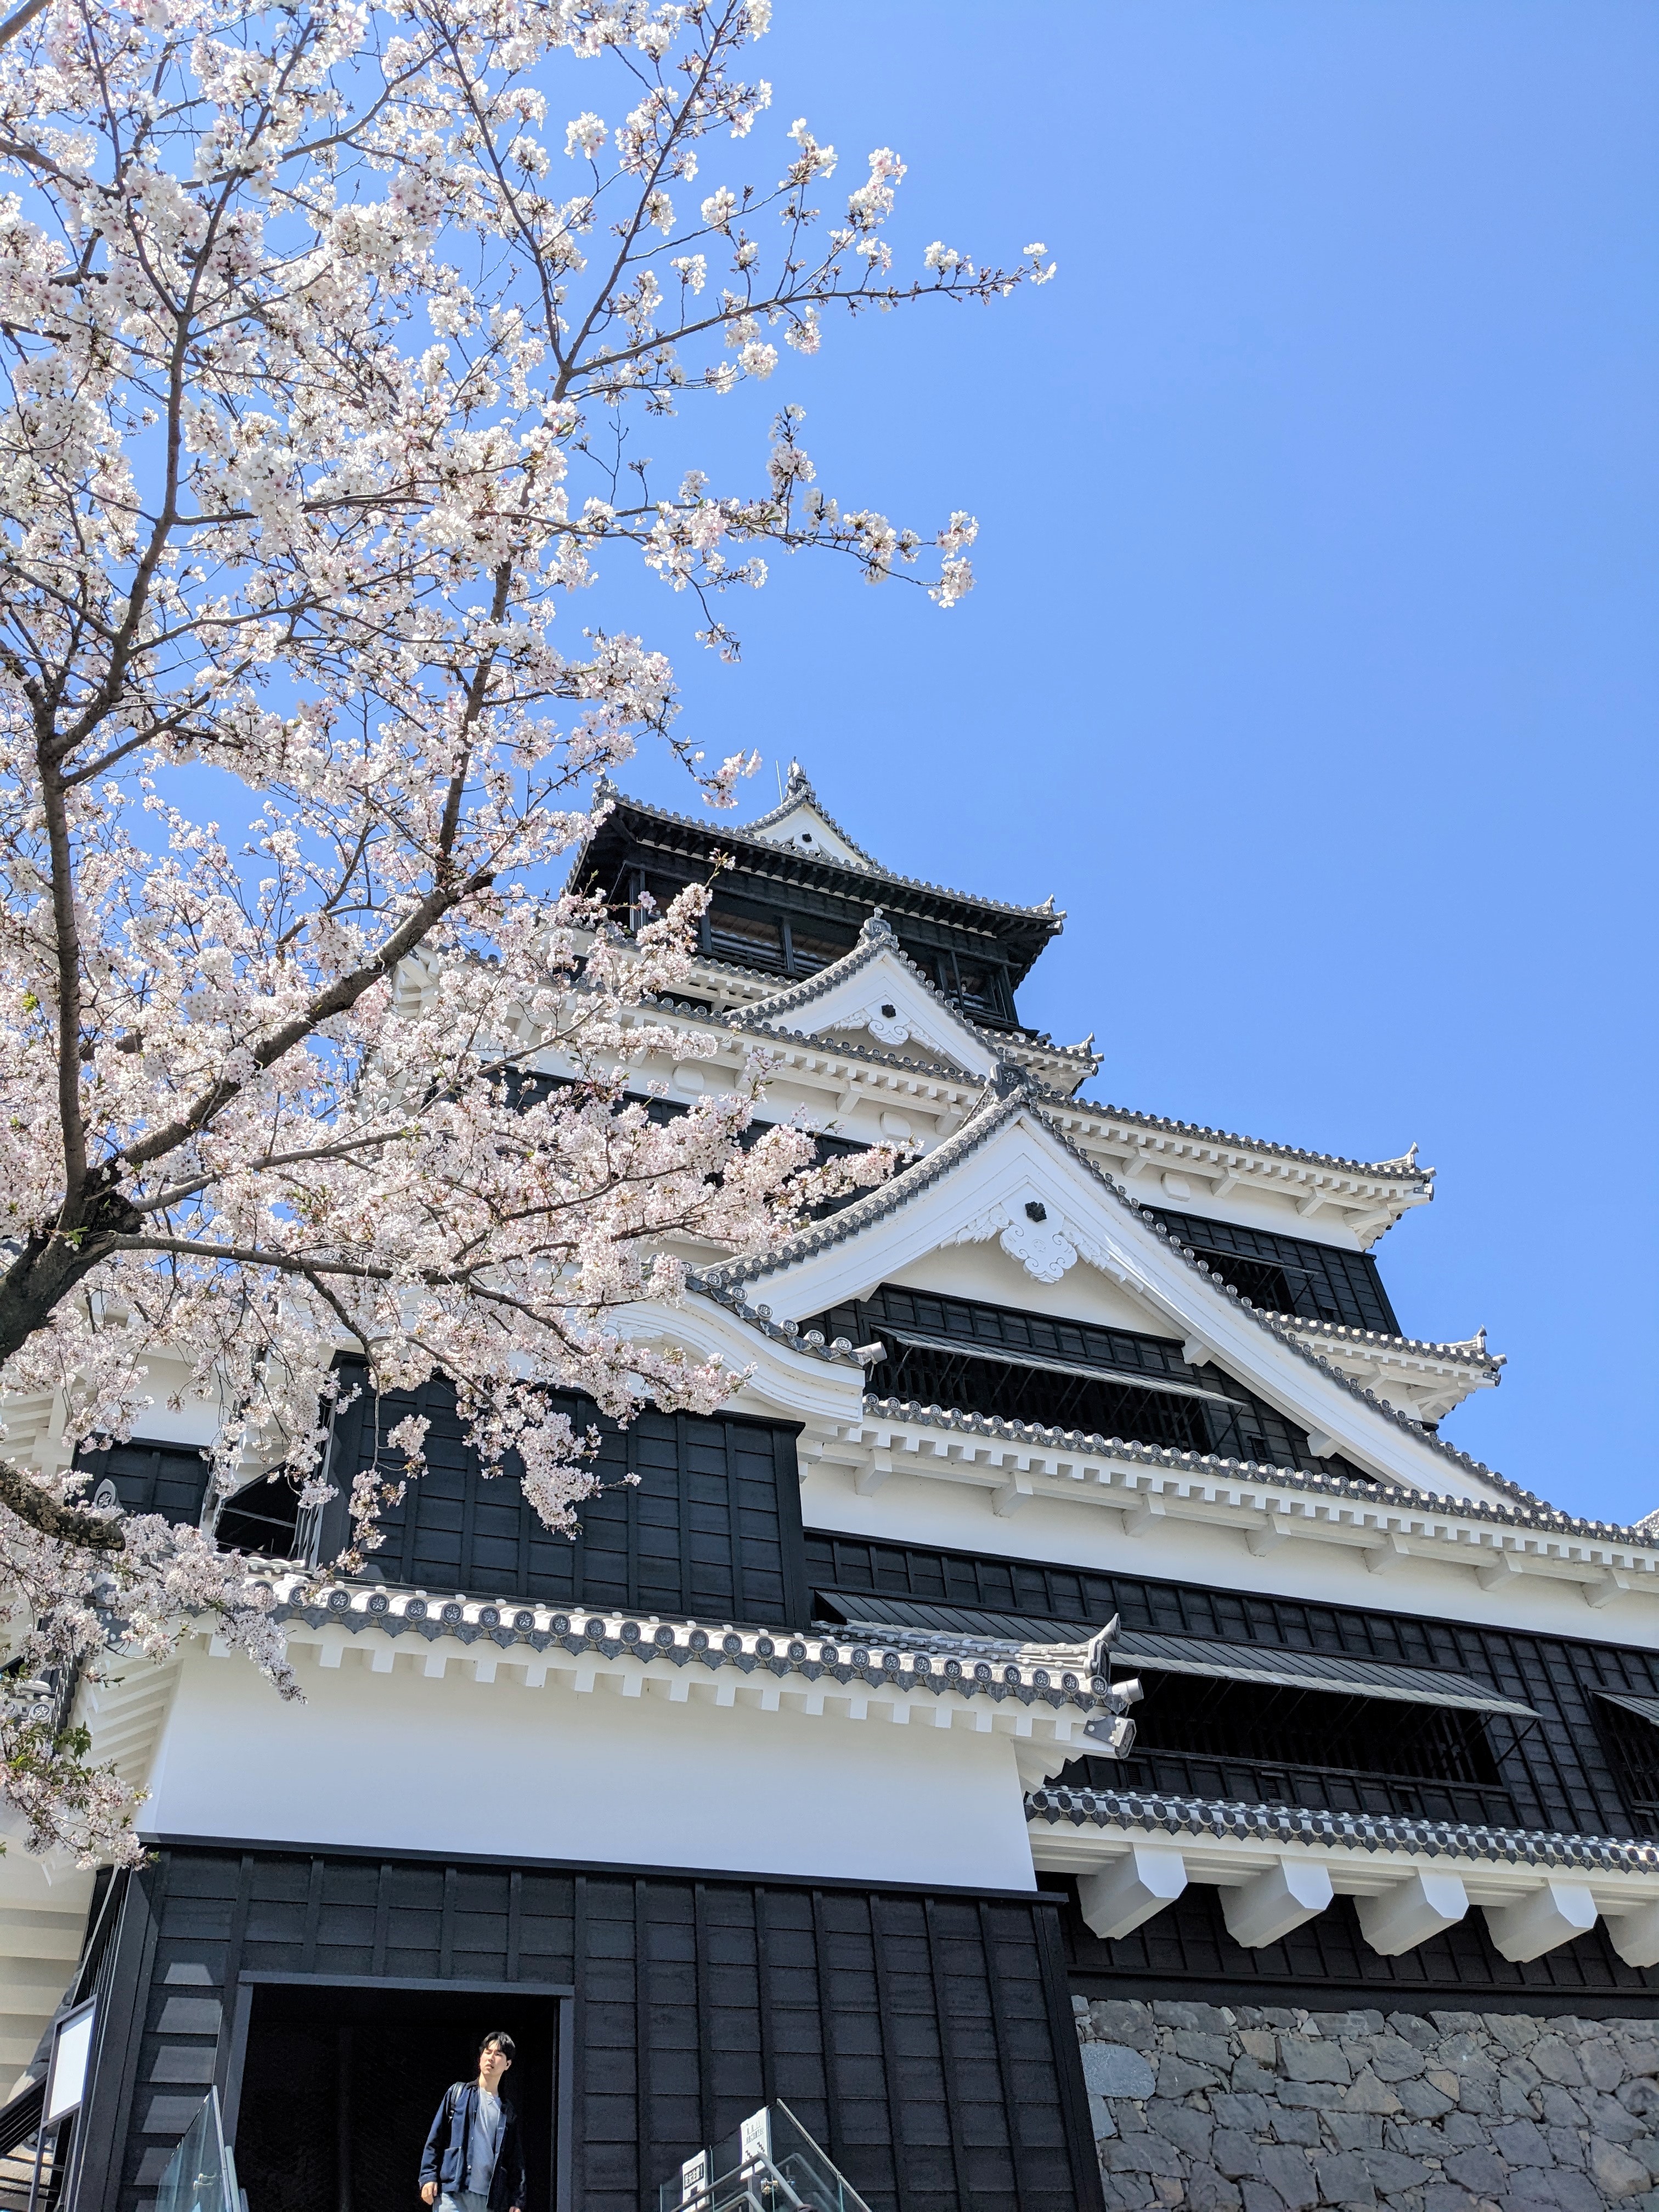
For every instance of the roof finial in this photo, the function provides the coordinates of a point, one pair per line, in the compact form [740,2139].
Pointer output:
[878,930]
[797,777]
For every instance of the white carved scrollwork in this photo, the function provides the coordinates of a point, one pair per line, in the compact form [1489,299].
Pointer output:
[886,1023]
[981,1228]
[1045,1249]
[1042,1248]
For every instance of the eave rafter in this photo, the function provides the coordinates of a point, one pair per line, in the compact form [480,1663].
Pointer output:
[735,990]
[845,1074]
[1161,1162]
[1424,1380]
[1046,1699]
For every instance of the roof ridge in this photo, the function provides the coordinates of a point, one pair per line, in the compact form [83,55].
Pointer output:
[322,1598]
[1047,912]
[1471,1348]
[1020,1092]
[1277,1328]
[877,937]
[1149,1809]
[1403,1166]
[988,1114]
[799,790]
[732,1018]
[1006,1042]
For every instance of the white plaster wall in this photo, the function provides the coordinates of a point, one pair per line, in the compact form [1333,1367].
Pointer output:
[194,1420]
[957,1516]
[43,1920]
[407,1763]
[984,1271]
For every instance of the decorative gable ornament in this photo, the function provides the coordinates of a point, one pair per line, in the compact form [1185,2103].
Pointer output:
[1044,1246]
[800,821]
[878,989]
[885,1023]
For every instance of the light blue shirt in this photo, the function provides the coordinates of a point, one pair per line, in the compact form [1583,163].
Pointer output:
[484,2142]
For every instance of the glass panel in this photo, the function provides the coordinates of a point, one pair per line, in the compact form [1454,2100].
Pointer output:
[201,2175]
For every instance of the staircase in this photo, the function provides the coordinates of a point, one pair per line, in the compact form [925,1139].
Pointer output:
[771,2164]
[19,2123]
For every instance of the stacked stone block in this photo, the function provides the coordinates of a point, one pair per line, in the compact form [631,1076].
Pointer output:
[1256,2108]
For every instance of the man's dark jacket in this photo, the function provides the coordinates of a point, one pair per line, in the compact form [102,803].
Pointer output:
[444,2159]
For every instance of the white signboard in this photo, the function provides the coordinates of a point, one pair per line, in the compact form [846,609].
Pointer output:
[756,2139]
[694,2176]
[71,2052]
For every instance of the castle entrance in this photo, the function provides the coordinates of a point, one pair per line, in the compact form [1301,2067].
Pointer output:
[340,2083]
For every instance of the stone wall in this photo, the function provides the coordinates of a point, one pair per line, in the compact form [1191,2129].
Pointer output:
[1256,2108]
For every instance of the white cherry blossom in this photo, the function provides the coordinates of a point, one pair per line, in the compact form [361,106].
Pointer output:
[314,380]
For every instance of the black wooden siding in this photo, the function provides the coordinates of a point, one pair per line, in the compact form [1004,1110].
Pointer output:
[711,1529]
[167,1478]
[925,2040]
[1563,1773]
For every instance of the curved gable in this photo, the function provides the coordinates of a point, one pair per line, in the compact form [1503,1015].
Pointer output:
[1008,1177]
[876,991]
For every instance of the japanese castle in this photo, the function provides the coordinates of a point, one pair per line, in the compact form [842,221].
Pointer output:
[1075,1729]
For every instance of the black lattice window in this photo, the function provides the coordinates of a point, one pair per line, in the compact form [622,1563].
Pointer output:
[1289,1274]
[1558,1772]
[1256,1743]
[1631,1740]
[811,946]
[263,1518]
[1064,1374]
[753,940]
[980,987]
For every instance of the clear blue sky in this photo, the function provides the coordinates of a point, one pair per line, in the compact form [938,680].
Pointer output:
[1312,663]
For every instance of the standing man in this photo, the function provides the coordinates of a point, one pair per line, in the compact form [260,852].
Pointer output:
[474,2159]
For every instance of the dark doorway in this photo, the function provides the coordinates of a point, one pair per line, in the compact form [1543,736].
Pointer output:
[340,2085]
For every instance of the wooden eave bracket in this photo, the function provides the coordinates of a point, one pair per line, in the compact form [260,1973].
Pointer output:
[1269,1887]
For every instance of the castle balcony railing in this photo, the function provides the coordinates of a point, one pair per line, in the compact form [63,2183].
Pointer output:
[769,2164]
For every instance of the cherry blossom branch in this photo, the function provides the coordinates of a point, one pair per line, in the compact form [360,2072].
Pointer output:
[67,1524]
[301,348]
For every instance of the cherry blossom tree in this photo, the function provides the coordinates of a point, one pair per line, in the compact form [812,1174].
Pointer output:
[321,325]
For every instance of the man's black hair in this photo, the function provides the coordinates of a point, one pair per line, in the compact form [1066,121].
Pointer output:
[502,2041]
